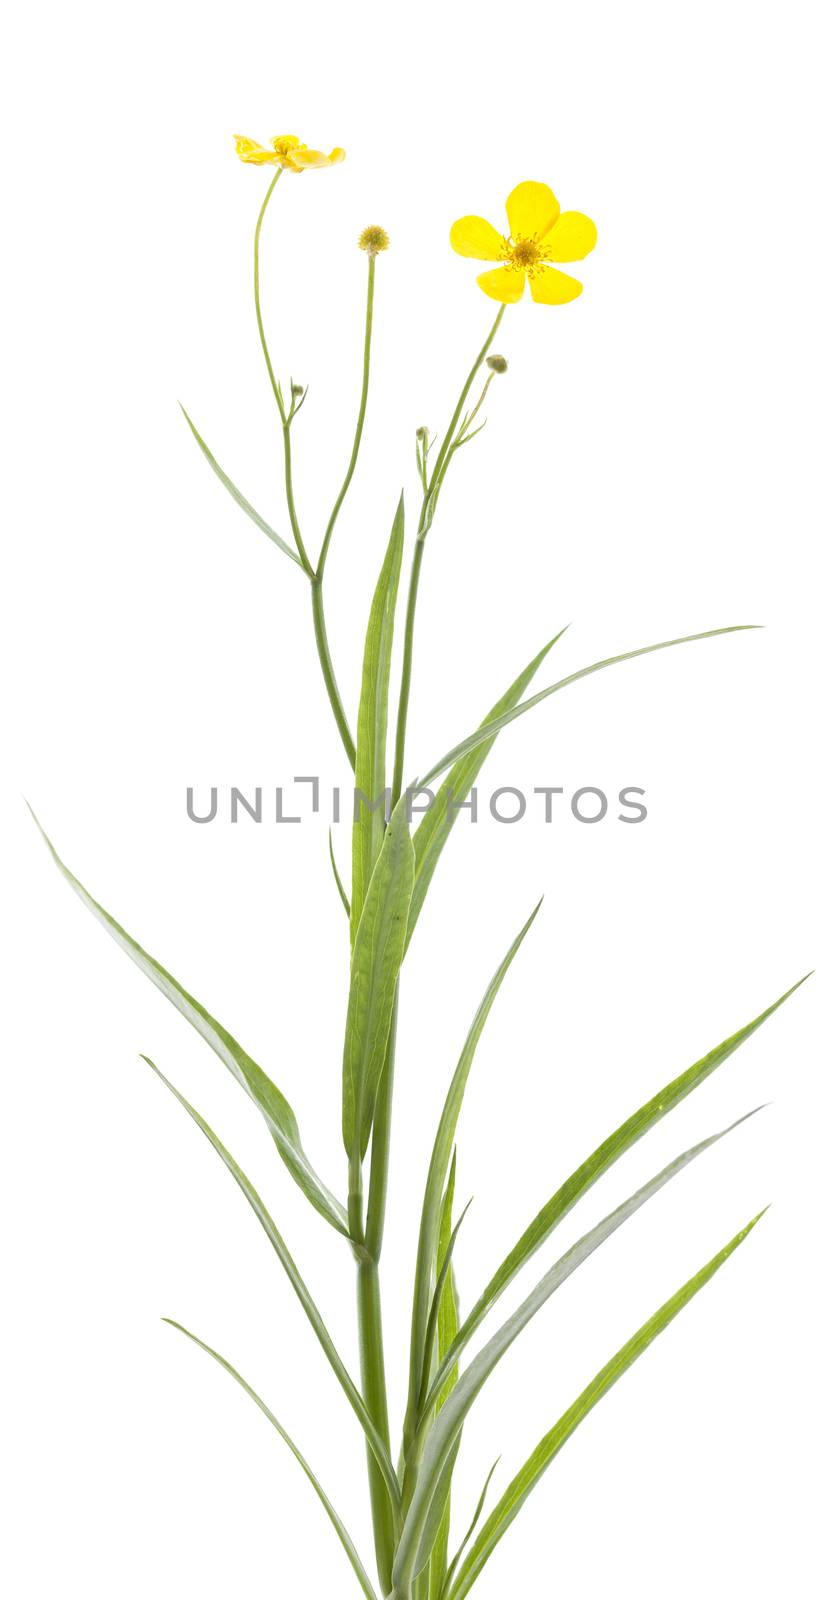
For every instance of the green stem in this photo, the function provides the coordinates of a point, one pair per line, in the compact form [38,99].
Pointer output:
[319,622]
[365,383]
[407,667]
[425,519]
[371,1342]
[257,289]
[276,388]
[333,693]
[428,504]
[286,424]
[380,1147]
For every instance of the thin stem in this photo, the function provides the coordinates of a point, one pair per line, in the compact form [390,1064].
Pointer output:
[276,387]
[319,622]
[380,1147]
[428,505]
[407,667]
[257,290]
[333,692]
[365,383]
[425,520]
[374,1390]
[288,483]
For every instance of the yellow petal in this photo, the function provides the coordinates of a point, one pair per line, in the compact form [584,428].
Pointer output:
[254,153]
[552,288]
[284,141]
[503,283]
[304,159]
[571,238]
[474,237]
[532,209]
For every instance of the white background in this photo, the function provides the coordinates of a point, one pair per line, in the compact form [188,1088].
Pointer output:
[649,469]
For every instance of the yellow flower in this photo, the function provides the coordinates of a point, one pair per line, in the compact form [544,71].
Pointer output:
[286,152]
[538,235]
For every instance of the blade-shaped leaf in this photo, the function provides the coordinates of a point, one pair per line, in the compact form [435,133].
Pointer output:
[306,1300]
[371,734]
[480,1505]
[446,1306]
[434,830]
[598,1163]
[377,957]
[412,1551]
[352,1553]
[342,892]
[437,1174]
[238,497]
[275,1109]
[526,1480]
[491,729]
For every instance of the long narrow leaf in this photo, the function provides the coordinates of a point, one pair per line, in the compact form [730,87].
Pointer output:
[437,1174]
[597,1164]
[474,1523]
[350,1549]
[447,1308]
[434,830]
[491,729]
[275,1109]
[443,1292]
[238,497]
[526,1480]
[342,892]
[306,1300]
[377,957]
[413,1551]
[371,732]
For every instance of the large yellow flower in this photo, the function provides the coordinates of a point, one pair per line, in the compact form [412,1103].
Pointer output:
[538,234]
[286,152]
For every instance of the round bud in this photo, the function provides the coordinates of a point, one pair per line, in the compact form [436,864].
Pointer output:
[373,240]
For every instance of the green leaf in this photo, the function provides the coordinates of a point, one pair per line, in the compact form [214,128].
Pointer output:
[239,498]
[413,1550]
[352,1554]
[490,729]
[434,830]
[444,1288]
[448,1303]
[377,957]
[598,1163]
[342,892]
[437,1174]
[371,732]
[275,1109]
[471,1530]
[306,1300]
[446,1307]
[526,1480]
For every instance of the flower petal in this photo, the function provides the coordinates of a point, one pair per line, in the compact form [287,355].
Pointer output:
[254,153]
[571,238]
[303,159]
[503,283]
[552,288]
[532,209]
[474,237]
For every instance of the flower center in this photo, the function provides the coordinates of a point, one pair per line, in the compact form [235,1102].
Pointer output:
[525,254]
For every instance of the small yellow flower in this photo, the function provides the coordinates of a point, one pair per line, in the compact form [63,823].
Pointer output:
[538,235]
[374,240]
[286,152]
